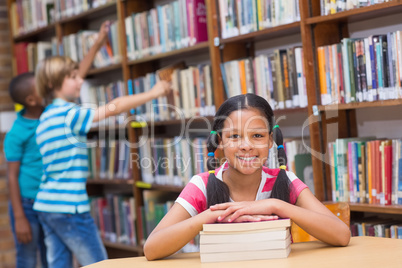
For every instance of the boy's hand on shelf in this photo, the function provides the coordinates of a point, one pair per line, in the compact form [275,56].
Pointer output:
[162,88]
[103,33]
[23,230]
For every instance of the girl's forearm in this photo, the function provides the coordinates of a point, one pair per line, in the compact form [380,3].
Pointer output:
[168,240]
[326,228]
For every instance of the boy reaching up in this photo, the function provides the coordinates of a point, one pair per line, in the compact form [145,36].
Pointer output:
[62,201]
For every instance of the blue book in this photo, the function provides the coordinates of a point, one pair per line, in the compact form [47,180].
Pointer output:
[161,27]
[130,92]
[225,82]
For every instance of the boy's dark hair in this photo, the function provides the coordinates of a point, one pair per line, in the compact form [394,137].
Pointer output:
[20,87]
[217,190]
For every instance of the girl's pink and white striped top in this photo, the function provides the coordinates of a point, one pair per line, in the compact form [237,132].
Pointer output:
[194,196]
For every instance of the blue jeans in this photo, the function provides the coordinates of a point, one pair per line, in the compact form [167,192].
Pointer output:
[67,234]
[27,253]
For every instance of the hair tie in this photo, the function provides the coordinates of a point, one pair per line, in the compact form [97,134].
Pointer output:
[211,154]
[211,171]
[213,132]
[282,167]
[280,146]
[276,126]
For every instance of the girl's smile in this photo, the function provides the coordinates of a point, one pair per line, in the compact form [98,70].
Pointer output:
[246,140]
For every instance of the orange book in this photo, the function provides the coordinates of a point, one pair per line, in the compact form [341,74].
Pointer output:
[242,71]
[321,69]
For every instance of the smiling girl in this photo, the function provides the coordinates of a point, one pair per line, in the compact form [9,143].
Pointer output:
[243,189]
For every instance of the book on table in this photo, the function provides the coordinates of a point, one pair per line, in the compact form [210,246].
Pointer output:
[221,242]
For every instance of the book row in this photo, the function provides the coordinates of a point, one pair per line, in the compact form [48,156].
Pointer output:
[109,159]
[366,170]
[376,227]
[29,15]
[278,77]
[27,55]
[335,6]
[244,16]
[76,46]
[361,69]
[192,94]
[171,161]
[156,205]
[115,217]
[167,27]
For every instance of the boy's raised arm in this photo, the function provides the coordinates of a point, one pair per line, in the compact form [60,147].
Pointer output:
[124,104]
[86,62]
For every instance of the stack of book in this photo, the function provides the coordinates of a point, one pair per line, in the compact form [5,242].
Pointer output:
[221,242]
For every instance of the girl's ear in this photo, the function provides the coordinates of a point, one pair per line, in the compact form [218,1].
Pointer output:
[220,144]
[271,140]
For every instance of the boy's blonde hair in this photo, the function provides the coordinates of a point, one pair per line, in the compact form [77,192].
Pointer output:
[50,74]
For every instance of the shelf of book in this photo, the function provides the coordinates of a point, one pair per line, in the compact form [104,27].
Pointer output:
[110,181]
[265,34]
[137,249]
[374,208]
[158,187]
[40,33]
[102,70]
[194,119]
[359,105]
[93,13]
[360,14]
[199,48]
[290,111]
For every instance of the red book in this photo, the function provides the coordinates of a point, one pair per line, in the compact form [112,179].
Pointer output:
[101,205]
[388,172]
[197,21]
[21,57]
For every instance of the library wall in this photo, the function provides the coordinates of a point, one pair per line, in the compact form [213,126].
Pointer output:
[7,252]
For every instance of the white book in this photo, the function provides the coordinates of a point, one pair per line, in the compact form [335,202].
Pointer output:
[244,237]
[245,256]
[248,246]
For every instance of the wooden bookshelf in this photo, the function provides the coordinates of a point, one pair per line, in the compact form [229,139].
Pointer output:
[38,34]
[290,111]
[198,48]
[360,14]
[374,208]
[359,105]
[105,69]
[172,122]
[265,34]
[110,181]
[91,14]
[158,187]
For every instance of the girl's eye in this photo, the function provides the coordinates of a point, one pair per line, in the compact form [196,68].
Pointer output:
[258,136]
[234,136]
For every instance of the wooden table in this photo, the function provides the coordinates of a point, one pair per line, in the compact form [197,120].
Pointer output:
[362,252]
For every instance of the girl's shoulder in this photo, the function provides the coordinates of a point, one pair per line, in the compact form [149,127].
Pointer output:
[273,173]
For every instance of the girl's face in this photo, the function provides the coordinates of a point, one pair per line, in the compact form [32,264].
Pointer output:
[246,140]
[70,89]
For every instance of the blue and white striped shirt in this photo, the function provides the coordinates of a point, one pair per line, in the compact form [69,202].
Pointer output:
[61,136]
